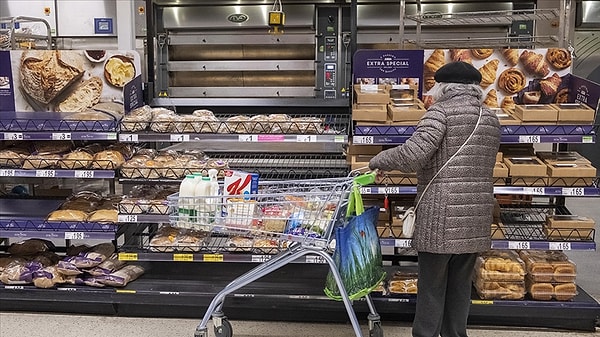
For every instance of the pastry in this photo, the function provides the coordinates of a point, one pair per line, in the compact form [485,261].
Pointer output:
[491,99]
[549,85]
[76,160]
[463,55]
[482,53]
[511,81]
[562,96]
[534,63]
[532,97]
[434,62]
[86,95]
[46,74]
[67,215]
[508,102]
[488,73]
[119,70]
[559,58]
[511,56]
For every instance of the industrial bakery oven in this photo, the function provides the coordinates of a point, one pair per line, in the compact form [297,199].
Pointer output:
[218,53]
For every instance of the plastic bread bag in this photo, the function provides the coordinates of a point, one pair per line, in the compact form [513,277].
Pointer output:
[47,277]
[30,247]
[93,257]
[108,266]
[19,272]
[123,276]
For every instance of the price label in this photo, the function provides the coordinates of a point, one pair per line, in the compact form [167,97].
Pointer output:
[14,287]
[111,136]
[391,190]
[306,138]
[128,256]
[573,191]
[86,174]
[559,245]
[169,292]
[403,243]
[485,302]
[212,258]
[315,259]
[587,139]
[132,138]
[13,136]
[362,139]
[125,291]
[183,257]
[127,218]
[67,289]
[45,173]
[7,173]
[518,245]
[61,136]
[529,139]
[74,235]
[260,258]
[248,138]
[180,138]
[339,139]
[365,190]
[534,190]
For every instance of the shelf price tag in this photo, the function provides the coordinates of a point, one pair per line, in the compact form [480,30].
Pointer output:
[559,245]
[84,174]
[403,243]
[248,138]
[127,218]
[530,139]
[534,190]
[587,139]
[180,138]
[133,138]
[486,302]
[518,245]
[315,259]
[260,258]
[45,173]
[7,173]
[573,191]
[362,140]
[74,235]
[128,256]
[306,138]
[390,190]
[13,136]
[212,258]
[339,139]
[183,257]
[365,190]
[61,136]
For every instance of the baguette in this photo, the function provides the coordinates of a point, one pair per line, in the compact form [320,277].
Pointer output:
[84,97]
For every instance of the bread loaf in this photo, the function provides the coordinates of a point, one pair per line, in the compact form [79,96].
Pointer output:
[67,215]
[86,95]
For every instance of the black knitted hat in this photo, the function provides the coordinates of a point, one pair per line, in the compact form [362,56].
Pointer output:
[458,72]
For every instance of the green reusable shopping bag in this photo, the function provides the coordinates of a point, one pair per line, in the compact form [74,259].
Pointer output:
[357,253]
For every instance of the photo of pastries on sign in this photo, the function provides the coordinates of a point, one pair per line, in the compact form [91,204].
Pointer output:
[509,76]
[72,81]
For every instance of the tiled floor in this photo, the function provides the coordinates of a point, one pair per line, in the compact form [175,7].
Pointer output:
[50,325]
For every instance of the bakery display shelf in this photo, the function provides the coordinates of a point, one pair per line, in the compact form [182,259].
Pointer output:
[51,173]
[18,38]
[28,123]
[503,17]
[488,42]
[187,256]
[507,139]
[142,137]
[572,191]
[142,218]
[60,135]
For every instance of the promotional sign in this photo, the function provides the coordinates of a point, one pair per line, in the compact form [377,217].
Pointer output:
[388,67]
[133,95]
[67,81]
[7,94]
[585,91]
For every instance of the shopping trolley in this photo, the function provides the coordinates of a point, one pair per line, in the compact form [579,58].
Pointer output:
[296,218]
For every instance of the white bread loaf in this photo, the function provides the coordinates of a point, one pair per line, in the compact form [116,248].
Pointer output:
[83,97]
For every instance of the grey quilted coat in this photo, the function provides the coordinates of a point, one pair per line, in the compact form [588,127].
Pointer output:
[455,213]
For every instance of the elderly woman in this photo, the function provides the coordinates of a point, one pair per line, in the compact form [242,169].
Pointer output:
[453,151]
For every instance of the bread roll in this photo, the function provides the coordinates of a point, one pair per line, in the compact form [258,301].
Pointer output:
[86,95]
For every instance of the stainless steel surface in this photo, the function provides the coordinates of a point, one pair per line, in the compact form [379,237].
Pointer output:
[242,79]
[32,8]
[214,39]
[239,65]
[276,52]
[591,13]
[76,17]
[236,92]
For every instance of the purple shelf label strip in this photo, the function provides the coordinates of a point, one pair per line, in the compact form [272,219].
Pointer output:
[60,226]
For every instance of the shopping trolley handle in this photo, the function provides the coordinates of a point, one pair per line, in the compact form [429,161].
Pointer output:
[365,179]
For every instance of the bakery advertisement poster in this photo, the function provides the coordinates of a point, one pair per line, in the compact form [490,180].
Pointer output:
[509,76]
[81,84]
[7,95]
[388,67]
[585,91]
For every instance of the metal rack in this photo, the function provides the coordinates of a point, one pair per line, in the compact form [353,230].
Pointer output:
[13,37]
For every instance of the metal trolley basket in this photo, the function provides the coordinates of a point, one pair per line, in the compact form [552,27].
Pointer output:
[295,217]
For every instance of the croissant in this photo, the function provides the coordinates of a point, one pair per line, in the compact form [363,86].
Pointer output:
[549,85]
[435,61]
[559,58]
[482,53]
[511,56]
[562,96]
[461,55]
[511,81]
[534,63]
[508,103]
[428,80]
[491,100]
[488,73]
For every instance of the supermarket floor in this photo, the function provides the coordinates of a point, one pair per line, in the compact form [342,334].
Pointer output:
[50,325]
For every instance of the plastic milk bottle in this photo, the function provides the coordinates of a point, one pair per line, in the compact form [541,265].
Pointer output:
[201,192]
[186,211]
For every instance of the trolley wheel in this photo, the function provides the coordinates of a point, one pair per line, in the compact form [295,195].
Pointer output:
[225,330]
[376,330]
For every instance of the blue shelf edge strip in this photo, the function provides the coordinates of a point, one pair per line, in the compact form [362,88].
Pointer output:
[547,130]
[43,225]
[547,191]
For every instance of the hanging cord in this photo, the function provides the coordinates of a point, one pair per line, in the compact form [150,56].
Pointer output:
[448,161]
[277,7]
